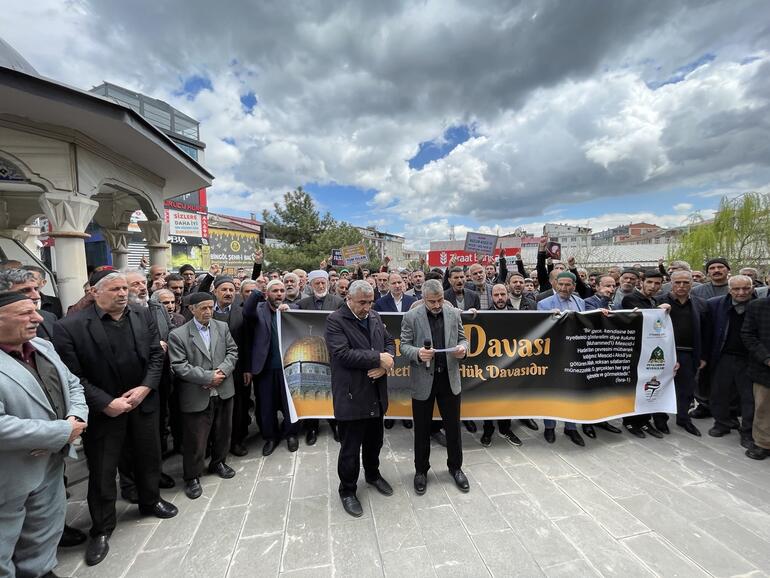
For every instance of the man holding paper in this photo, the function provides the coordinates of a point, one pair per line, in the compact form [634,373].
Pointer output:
[433,339]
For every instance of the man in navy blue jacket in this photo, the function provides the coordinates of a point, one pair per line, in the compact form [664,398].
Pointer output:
[361,352]
[395,301]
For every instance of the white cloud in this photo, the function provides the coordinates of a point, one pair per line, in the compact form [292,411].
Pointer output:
[683,207]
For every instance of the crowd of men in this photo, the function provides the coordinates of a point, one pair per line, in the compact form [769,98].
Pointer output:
[151,363]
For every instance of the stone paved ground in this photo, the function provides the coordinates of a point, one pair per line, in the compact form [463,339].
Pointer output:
[682,506]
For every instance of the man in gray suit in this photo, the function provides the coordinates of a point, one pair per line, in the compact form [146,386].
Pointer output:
[43,410]
[203,356]
[435,377]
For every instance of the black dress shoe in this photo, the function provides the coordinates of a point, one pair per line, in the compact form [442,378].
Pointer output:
[130,495]
[589,430]
[757,453]
[352,506]
[388,424]
[607,426]
[718,432]
[166,481]
[420,483]
[193,489]
[407,423]
[335,432]
[470,426]
[699,412]
[382,486]
[734,423]
[486,440]
[576,438]
[530,423]
[662,427]
[293,444]
[747,441]
[222,470]
[439,438]
[690,429]
[97,549]
[461,481]
[161,509]
[238,450]
[311,437]
[269,447]
[651,431]
[71,537]
[550,435]
[635,431]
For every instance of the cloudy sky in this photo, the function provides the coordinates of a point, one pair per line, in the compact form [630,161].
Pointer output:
[416,116]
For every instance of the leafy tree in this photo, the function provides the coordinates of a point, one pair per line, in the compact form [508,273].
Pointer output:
[306,237]
[739,232]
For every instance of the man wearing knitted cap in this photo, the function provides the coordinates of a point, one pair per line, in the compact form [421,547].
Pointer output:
[319,300]
[44,411]
[626,286]
[563,299]
[717,270]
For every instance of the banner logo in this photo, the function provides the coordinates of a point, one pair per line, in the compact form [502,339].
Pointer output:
[657,360]
[651,387]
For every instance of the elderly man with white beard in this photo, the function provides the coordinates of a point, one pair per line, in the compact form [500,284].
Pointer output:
[319,300]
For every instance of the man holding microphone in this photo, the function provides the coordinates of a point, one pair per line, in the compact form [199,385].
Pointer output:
[433,339]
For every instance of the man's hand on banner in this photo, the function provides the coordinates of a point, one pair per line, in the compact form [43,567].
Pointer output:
[459,352]
[376,373]
[283,307]
[473,311]
[606,312]
[665,306]
[676,368]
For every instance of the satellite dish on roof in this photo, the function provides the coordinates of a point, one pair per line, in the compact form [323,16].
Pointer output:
[10,58]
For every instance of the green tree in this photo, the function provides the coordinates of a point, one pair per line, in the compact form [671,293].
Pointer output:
[306,236]
[739,232]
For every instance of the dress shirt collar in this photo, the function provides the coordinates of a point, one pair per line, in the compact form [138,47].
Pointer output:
[200,326]
[26,354]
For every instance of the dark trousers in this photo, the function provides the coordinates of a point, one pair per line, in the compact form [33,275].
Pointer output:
[359,438]
[503,424]
[728,381]
[175,418]
[241,400]
[684,381]
[270,390]
[103,443]
[215,420]
[422,412]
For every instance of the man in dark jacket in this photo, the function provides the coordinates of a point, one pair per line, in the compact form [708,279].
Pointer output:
[361,352]
[728,360]
[114,348]
[458,294]
[687,316]
[756,335]
[266,366]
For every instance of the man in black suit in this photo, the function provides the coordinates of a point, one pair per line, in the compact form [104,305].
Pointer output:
[361,352]
[114,348]
[319,300]
[396,301]
[266,369]
[226,309]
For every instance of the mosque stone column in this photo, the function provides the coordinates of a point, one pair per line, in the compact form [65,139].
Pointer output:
[118,240]
[156,235]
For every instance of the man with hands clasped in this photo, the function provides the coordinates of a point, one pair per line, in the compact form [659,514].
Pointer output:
[361,352]
[114,348]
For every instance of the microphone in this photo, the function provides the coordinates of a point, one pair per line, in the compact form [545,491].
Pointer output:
[427,344]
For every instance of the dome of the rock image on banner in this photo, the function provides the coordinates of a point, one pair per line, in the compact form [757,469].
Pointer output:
[307,369]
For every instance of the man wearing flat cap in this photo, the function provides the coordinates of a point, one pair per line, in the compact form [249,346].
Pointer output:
[319,300]
[203,357]
[44,411]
